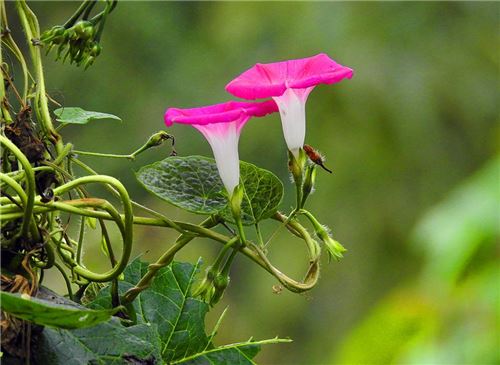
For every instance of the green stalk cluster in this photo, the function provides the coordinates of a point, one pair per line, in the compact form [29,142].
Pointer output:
[79,38]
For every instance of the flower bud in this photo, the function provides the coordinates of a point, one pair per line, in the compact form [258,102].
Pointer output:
[335,248]
[206,289]
[296,165]
[309,179]
[95,50]
[220,284]
[235,201]
[84,29]
[157,139]
[49,34]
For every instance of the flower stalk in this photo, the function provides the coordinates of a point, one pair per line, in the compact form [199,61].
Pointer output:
[335,249]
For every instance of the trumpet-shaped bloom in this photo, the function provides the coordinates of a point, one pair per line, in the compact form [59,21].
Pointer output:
[221,125]
[289,84]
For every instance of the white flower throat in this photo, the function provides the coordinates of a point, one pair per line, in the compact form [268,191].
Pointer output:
[223,138]
[292,107]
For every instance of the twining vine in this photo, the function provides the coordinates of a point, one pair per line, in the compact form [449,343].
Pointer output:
[42,196]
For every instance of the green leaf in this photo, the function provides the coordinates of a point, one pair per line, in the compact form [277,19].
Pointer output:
[168,304]
[170,328]
[263,194]
[193,183]
[234,354]
[106,343]
[179,318]
[79,116]
[48,313]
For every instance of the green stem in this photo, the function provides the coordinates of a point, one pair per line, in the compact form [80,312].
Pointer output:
[7,38]
[64,152]
[50,259]
[222,254]
[138,205]
[24,199]
[163,261]
[229,262]
[81,235]
[29,22]
[19,174]
[4,112]
[126,243]
[107,242]
[254,253]
[259,235]
[86,14]
[30,183]
[124,223]
[97,154]
[83,6]
[66,279]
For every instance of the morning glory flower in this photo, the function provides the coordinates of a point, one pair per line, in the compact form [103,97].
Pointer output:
[289,84]
[221,124]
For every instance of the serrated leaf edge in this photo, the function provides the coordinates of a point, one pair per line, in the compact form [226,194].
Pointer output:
[235,346]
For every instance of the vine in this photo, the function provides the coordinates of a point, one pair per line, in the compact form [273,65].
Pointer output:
[39,189]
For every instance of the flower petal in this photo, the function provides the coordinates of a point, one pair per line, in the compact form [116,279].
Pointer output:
[272,79]
[223,138]
[219,113]
[221,125]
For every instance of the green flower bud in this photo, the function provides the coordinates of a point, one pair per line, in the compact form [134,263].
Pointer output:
[235,201]
[221,282]
[335,249]
[296,165]
[95,49]
[309,179]
[158,138]
[51,33]
[84,29]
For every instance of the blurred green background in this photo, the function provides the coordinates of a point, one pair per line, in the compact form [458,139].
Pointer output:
[412,140]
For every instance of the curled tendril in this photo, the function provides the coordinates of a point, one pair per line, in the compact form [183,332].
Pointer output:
[79,206]
[30,185]
[104,210]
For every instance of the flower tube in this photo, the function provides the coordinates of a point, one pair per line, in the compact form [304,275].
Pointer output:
[221,124]
[289,84]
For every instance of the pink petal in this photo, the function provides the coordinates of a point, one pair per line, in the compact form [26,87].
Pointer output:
[272,79]
[219,113]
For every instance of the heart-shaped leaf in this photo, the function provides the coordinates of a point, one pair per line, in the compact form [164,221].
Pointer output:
[193,183]
[263,194]
[75,115]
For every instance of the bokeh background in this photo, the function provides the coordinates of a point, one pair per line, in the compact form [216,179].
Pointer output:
[412,139]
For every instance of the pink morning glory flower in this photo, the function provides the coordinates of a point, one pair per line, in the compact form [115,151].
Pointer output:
[221,125]
[289,84]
